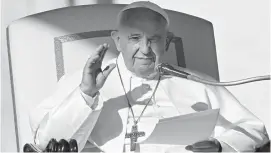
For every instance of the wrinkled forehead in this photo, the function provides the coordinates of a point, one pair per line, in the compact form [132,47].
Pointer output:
[142,19]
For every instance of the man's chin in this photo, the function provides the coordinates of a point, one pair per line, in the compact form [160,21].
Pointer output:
[149,73]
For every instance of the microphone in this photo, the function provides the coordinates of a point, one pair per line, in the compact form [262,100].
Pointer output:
[167,69]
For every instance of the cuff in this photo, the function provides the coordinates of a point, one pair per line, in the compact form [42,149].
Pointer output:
[92,102]
[226,147]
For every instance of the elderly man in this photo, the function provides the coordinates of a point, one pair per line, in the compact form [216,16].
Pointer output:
[99,107]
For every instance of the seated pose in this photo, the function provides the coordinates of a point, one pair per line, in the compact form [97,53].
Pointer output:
[111,109]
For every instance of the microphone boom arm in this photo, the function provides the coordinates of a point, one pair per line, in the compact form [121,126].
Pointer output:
[166,69]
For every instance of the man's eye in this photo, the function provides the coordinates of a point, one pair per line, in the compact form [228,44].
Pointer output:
[155,39]
[134,38]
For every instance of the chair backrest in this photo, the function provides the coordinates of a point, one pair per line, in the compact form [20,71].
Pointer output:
[45,46]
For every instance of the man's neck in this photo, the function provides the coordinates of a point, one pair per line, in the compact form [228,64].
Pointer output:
[152,76]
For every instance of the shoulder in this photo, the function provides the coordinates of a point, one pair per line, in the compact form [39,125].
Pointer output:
[70,80]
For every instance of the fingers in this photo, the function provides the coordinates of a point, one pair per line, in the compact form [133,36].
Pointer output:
[204,150]
[189,147]
[101,50]
[96,59]
[91,62]
[101,77]
[200,149]
[106,46]
[108,70]
[204,146]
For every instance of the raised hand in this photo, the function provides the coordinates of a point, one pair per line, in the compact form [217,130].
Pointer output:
[93,76]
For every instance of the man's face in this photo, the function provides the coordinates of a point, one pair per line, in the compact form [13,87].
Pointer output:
[142,42]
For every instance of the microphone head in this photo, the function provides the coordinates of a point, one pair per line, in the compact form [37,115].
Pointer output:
[158,68]
[162,67]
[167,69]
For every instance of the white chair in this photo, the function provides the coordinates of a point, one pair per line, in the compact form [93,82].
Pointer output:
[45,46]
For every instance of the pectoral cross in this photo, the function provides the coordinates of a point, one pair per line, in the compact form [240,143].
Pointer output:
[133,137]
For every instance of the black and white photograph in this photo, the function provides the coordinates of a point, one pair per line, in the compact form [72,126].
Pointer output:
[135,76]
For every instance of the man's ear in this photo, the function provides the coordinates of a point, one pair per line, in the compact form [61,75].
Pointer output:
[116,38]
[170,36]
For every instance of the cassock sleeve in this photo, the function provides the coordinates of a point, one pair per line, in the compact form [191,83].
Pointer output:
[66,114]
[242,131]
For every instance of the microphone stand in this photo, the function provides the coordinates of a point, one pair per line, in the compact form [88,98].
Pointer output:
[167,69]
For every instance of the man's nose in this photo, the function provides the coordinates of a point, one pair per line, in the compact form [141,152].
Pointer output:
[145,47]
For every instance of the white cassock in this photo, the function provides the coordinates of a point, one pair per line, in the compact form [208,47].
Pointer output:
[99,124]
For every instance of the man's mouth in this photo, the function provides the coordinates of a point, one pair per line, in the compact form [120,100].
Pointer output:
[145,58]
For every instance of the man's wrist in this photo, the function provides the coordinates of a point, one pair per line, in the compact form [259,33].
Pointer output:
[90,101]
[217,142]
[226,147]
[220,146]
[86,91]
[94,94]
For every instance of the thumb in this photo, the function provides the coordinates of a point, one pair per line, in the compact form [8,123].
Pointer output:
[108,70]
[189,147]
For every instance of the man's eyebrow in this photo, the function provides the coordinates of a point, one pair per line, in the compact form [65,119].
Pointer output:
[156,36]
[135,34]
